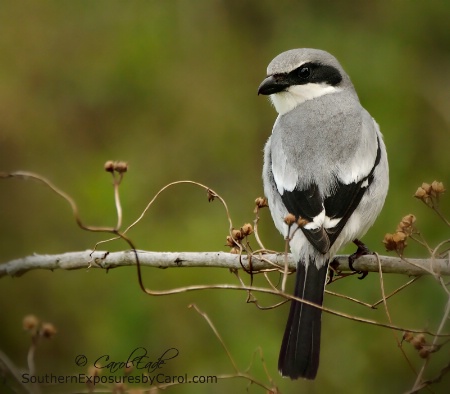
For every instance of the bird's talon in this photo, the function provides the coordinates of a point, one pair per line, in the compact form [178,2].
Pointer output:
[362,250]
[363,274]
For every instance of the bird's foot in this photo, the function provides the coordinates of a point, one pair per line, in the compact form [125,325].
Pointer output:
[361,251]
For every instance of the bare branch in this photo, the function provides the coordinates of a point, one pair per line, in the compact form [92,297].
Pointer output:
[259,262]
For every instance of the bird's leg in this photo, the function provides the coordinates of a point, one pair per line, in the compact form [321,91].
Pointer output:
[333,269]
[330,275]
[361,251]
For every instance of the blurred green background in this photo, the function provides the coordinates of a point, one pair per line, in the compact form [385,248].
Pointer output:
[170,87]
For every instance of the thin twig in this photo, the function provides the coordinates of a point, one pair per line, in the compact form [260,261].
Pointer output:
[384,300]
[185,289]
[411,281]
[216,333]
[440,214]
[348,298]
[6,365]
[238,374]
[256,230]
[434,343]
[117,183]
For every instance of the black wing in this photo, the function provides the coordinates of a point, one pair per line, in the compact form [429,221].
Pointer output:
[307,204]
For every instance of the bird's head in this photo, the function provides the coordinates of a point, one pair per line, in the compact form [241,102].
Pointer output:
[299,75]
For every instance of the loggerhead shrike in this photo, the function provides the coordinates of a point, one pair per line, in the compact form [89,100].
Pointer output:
[325,163]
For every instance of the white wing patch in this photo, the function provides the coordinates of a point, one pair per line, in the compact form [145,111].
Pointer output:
[322,220]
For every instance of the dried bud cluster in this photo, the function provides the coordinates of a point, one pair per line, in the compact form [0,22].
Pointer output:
[237,236]
[420,344]
[261,202]
[37,328]
[290,219]
[118,166]
[397,241]
[427,193]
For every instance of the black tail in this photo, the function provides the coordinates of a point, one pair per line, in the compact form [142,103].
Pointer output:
[299,354]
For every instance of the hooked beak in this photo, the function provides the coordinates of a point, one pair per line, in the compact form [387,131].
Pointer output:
[273,84]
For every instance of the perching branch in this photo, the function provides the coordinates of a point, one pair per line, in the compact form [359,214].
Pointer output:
[259,262]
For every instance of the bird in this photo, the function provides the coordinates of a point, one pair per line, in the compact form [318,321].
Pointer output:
[326,168]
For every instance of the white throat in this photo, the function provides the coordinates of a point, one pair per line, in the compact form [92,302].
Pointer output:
[294,95]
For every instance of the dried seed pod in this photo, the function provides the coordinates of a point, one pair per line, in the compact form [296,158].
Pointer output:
[261,202]
[408,336]
[406,225]
[47,330]
[289,219]
[399,236]
[30,323]
[301,222]
[109,166]
[237,235]
[420,193]
[395,242]
[418,341]
[230,241]
[427,187]
[389,243]
[424,352]
[121,166]
[437,188]
[247,229]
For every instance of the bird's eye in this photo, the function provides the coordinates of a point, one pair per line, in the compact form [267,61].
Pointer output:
[304,72]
